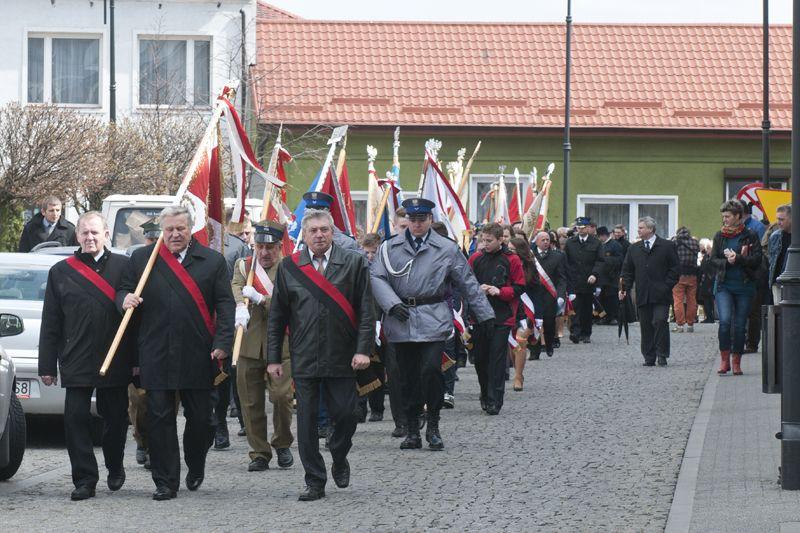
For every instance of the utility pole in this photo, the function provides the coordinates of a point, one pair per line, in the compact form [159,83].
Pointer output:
[112,73]
[765,124]
[567,145]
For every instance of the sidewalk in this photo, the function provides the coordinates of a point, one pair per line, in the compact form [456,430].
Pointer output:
[728,478]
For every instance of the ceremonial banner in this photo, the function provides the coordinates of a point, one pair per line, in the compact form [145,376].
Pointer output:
[205,196]
[436,188]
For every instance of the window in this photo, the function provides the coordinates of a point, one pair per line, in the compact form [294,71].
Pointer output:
[611,209]
[360,206]
[128,225]
[64,70]
[174,72]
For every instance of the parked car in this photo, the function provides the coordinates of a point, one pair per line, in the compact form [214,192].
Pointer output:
[12,417]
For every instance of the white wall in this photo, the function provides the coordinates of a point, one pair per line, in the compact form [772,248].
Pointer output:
[187,18]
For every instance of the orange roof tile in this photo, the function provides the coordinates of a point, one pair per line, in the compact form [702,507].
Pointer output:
[269,12]
[638,76]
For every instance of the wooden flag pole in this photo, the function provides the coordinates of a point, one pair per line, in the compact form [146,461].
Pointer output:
[465,176]
[268,193]
[387,190]
[211,129]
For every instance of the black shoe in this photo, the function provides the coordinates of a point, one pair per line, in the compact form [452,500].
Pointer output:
[285,457]
[164,493]
[242,432]
[586,340]
[492,410]
[82,493]
[141,455]
[575,339]
[649,363]
[662,361]
[311,494]
[361,414]
[613,322]
[483,403]
[750,349]
[376,416]
[399,431]
[115,480]
[411,442]
[435,441]
[534,351]
[259,464]
[341,474]
[221,441]
[322,432]
[234,413]
[549,352]
[193,481]
[556,343]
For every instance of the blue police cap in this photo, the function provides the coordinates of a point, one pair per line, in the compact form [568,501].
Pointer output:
[418,206]
[318,200]
[268,232]
[583,221]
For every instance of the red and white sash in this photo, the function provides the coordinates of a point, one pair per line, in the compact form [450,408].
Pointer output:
[545,279]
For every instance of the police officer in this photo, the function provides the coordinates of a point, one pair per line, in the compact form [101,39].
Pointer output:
[584,262]
[251,377]
[410,278]
[321,200]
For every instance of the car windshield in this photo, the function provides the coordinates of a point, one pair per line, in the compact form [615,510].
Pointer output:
[18,282]
[127,225]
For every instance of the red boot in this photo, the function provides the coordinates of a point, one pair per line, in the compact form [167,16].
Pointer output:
[737,361]
[724,362]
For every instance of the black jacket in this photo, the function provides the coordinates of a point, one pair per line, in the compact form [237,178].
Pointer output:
[613,255]
[583,260]
[34,233]
[554,264]
[751,262]
[320,345]
[174,344]
[654,272]
[79,323]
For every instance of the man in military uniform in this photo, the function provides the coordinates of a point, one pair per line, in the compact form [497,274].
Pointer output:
[584,262]
[410,279]
[321,200]
[251,376]
[550,293]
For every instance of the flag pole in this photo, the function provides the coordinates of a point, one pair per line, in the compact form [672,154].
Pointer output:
[199,154]
[432,147]
[267,201]
[387,190]
[465,176]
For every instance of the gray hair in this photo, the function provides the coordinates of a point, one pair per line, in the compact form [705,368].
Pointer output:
[314,214]
[91,214]
[174,211]
[785,208]
[536,237]
[649,223]
[50,200]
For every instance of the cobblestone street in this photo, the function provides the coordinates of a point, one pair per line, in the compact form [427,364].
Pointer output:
[594,442]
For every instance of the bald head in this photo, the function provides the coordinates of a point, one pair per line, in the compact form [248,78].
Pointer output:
[542,240]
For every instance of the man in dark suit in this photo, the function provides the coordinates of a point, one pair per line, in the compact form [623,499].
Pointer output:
[322,296]
[186,315]
[47,225]
[584,262]
[79,321]
[609,274]
[652,264]
[551,290]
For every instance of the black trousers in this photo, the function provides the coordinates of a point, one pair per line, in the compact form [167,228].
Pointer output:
[340,399]
[583,305]
[491,360]
[112,405]
[162,427]
[609,298]
[394,383]
[422,381]
[653,319]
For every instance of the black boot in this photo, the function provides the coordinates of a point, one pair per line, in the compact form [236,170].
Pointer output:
[435,441]
[412,440]
[534,351]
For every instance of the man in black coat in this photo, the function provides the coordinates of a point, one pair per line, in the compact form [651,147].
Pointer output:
[186,314]
[79,321]
[47,225]
[584,262]
[609,275]
[652,264]
[322,295]
[551,290]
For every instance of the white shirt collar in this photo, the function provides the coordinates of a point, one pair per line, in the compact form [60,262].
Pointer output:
[99,254]
[182,255]
[652,240]
[327,254]
[583,237]
[540,250]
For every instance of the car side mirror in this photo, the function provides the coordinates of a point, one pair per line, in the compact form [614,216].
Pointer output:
[10,325]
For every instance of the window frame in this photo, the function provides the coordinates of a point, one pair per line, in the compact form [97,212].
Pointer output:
[190,39]
[47,76]
[633,201]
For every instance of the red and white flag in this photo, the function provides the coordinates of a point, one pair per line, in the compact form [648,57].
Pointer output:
[448,209]
[205,195]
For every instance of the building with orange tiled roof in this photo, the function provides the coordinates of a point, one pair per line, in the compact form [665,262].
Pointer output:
[666,119]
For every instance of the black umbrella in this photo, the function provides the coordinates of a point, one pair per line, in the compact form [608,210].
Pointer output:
[623,317]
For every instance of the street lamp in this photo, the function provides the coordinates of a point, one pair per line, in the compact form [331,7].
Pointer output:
[790,299]
[765,124]
[567,145]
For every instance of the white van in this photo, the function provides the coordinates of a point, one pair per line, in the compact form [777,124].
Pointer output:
[126,213]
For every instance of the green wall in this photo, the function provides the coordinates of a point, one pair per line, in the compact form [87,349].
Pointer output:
[691,168]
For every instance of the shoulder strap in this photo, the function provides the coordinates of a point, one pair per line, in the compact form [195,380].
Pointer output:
[190,285]
[92,277]
[322,289]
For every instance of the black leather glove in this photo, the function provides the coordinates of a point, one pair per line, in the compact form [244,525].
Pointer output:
[400,312]
[487,323]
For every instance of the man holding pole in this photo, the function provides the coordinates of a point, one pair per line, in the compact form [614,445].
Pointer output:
[323,296]
[79,320]
[186,314]
[252,380]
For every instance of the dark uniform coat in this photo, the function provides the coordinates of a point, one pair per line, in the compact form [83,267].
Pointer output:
[79,323]
[321,346]
[584,259]
[555,265]
[612,263]
[654,272]
[174,344]
[34,233]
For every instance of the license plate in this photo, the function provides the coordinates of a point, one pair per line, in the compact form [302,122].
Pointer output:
[26,389]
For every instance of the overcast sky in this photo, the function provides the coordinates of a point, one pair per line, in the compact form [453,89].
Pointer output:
[685,11]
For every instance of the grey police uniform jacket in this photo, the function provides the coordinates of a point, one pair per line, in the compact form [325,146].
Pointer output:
[344,241]
[426,273]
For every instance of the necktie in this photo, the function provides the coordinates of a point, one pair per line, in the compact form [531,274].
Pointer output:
[177,256]
[647,245]
[320,263]
[417,243]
